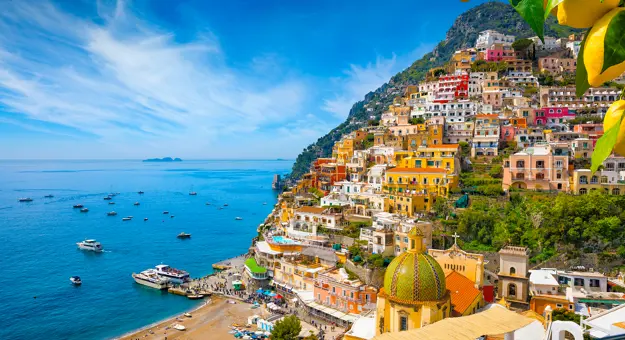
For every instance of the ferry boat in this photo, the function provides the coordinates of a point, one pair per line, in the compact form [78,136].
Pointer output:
[111,213]
[48,196]
[77,206]
[84,210]
[137,203]
[108,198]
[183,235]
[151,279]
[172,274]
[75,280]
[91,245]
[25,199]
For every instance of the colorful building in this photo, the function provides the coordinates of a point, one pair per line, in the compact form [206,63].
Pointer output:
[486,136]
[541,167]
[500,52]
[609,182]
[466,299]
[452,87]
[552,115]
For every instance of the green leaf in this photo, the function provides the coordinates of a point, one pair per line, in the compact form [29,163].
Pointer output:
[551,4]
[533,13]
[581,75]
[614,43]
[604,146]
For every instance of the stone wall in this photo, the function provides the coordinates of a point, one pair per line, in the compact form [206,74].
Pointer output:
[373,277]
[348,241]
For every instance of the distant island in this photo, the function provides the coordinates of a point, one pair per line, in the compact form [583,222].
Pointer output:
[166,159]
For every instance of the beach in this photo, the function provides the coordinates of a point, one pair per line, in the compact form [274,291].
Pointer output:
[211,321]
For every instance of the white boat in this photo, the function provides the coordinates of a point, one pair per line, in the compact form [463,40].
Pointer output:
[188,315]
[111,213]
[183,235]
[238,218]
[126,219]
[178,327]
[137,203]
[151,279]
[172,274]
[75,280]
[84,210]
[91,245]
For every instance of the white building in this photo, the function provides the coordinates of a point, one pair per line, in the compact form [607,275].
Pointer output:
[476,82]
[543,282]
[574,46]
[456,111]
[486,38]
[550,43]
[522,78]
[458,132]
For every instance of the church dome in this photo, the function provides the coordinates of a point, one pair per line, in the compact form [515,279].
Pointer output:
[414,276]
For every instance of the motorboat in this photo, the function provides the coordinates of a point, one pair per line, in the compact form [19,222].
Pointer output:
[126,219]
[145,219]
[137,203]
[75,280]
[172,274]
[238,218]
[151,279]
[178,327]
[165,212]
[225,205]
[140,193]
[111,203]
[25,199]
[130,217]
[84,210]
[91,245]
[195,296]
[172,216]
[48,196]
[183,235]
[77,206]
[193,193]
[111,213]
[108,198]
[188,315]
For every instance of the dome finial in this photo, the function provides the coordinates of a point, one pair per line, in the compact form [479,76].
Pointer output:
[415,237]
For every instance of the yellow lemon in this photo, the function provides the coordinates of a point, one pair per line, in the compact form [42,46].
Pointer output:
[594,52]
[583,13]
[616,110]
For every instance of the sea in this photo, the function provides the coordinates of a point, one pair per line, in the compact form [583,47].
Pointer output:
[38,252]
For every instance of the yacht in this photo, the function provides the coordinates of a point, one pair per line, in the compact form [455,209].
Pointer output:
[108,198]
[78,206]
[172,274]
[137,203]
[151,279]
[238,218]
[111,213]
[25,199]
[172,216]
[75,280]
[126,219]
[90,245]
[183,235]
[84,210]
[48,196]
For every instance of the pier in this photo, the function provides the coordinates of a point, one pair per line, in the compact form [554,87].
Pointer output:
[230,263]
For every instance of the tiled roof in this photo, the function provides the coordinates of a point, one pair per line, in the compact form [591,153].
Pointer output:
[462,291]
[312,210]
[417,170]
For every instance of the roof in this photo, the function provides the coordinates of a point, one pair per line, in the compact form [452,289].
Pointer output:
[312,210]
[416,170]
[462,290]
[604,320]
[263,247]
[254,267]
[493,321]
[413,278]
[363,328]
[324,254]
[542,277]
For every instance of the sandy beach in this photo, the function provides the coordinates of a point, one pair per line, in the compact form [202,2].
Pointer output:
[208,322]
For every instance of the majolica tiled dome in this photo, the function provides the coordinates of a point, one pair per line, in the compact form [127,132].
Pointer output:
[414,276]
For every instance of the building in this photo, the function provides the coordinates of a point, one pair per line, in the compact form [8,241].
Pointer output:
[519,65]
[542,167]
[574,47]
[466,299]
[461,60]
[402,242]
[414,190]
[593,131]
[444,156]
[598,98]
[582,148]
[500,52]
[493,95]
[410,298]
[453,111]
[513,281]
[452,87]
[550,43]
[610,182]
[459,132]
[308,219]
[487,38]
[457,260]
[549,116]
[486,136]
[556,65]
[476,82]
[522,79]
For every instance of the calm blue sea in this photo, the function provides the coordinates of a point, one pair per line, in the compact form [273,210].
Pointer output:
[38,253]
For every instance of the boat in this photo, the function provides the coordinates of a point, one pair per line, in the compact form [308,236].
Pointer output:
[77,206]
[220,208]
[84,210]
[195,296]
[165,212]
[126,219]
[145,219]
[188,315]
[172,274]
[48,196]
[192,193]
[151,279]
[111,202]
[75,280]
[172,216]
[178,327]
[137,203]
[238,218]
[140,193]
[91,245]
[25,199]
[264,203]
[208,203]
[108,198]
[225,205]
[111,213]
[183,235]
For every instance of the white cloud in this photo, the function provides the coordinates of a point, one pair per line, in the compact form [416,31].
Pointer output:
[128,83]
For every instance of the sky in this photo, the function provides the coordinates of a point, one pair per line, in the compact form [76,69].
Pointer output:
[197,79]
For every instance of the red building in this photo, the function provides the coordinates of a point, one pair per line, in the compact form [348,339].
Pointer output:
[325,172]
[552,115]
[452,87]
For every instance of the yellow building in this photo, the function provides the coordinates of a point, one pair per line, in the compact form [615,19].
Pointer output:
[583,181]
[444,156]
[414,293]
[343,150]
[455,259]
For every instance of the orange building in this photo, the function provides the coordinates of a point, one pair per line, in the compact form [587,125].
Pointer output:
[325,171]
[538,303]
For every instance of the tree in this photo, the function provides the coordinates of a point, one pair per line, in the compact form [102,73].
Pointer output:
[522,44]
[286,329]
[417,120]
[311,336]
[496,171]
[439,72]
[465,149]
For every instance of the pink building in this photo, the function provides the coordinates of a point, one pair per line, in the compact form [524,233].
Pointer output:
[542,167]
[499,52]
[552,115]
[594,131]
[507,133]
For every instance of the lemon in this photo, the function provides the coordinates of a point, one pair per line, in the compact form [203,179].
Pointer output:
[583,13]
[611,118]
[594,52]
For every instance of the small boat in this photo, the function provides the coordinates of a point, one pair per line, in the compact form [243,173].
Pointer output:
[130,217]
[195,296]
[264,203]
[193,193]
[111,213]
[165,212]
[208,203]
[48,196]
[188,315]
[145,219]
[25,199]
[111,203]
[172,216]
[183,235]
[108,198]
[84,210]
[140,193]
[238,218]
[77,206]
[225,205]
[137,203]
[75,280]
[151,279]
[178,327]
[126,218]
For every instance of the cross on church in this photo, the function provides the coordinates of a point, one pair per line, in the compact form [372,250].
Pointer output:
[455,236]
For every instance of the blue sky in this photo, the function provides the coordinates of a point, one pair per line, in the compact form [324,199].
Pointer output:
[197,79]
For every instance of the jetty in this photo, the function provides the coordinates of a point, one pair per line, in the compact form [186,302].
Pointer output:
[230,263]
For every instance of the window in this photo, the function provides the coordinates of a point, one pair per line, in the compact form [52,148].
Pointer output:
[616,191]
[594,180]
[520,175]
[559,305]
[512,290]
[403,323]
[512,270]
[333,289]
[540,164]
[578,282]
[583,191]
[540,176]
[406,239]
[604,179]
[583,179]
[520,164]
[595,283]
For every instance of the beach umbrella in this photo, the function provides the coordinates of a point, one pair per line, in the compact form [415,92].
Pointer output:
[336,246]
[259,291]
[278,296]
